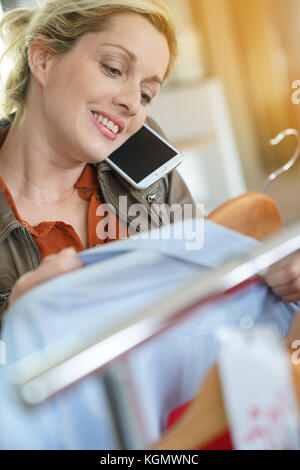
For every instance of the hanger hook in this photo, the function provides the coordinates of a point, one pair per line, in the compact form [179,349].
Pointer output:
[291,161]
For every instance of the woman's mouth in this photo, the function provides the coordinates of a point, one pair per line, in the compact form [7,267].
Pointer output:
[108,128]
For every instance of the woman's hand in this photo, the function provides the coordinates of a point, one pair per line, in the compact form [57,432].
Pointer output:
[284,278]
[51,266]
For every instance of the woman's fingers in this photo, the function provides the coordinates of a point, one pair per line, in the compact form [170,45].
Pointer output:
[284,272]
[53,265]
[290,288]
[284,279]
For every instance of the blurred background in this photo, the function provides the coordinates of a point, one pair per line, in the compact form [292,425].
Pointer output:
[230,93]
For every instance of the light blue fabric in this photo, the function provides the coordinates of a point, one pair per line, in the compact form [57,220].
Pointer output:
[121,279]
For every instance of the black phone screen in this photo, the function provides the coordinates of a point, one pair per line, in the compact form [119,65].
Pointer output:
[142,154]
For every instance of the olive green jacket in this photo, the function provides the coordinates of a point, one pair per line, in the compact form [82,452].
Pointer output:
[18,251]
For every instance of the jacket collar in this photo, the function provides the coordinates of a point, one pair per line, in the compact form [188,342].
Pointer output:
[142,195]
[7,217]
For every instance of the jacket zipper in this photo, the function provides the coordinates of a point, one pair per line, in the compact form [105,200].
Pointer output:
[4,297]
[152,197]
[32,248]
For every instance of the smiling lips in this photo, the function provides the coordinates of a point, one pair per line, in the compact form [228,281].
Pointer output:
[111,122]
[109,125]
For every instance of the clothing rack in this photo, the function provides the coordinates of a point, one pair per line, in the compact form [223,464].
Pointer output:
[40,376]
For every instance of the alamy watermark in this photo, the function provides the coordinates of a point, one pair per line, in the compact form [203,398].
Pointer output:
[158,222]
[296,94]
[295,357]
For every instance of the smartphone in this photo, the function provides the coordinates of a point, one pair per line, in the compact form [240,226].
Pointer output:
[144,158]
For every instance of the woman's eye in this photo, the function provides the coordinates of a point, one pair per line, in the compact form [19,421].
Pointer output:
[111,70]
[116,72]
[147,99]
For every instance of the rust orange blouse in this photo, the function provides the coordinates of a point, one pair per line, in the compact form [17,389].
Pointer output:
[52,237]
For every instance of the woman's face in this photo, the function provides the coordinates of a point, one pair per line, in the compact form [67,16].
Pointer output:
[114,73]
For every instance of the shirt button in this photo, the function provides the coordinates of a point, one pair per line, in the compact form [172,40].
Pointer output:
[98,196]
[246,323]
[85,191]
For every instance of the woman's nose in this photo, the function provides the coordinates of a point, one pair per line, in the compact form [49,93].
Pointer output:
[129,98]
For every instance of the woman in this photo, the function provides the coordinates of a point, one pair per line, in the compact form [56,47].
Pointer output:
[74,61]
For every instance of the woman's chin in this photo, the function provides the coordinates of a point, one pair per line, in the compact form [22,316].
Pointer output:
[94,156]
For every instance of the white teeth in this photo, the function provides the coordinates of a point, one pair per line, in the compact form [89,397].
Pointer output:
[109,124]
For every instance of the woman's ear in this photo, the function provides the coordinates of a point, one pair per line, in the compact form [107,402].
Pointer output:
[39,59]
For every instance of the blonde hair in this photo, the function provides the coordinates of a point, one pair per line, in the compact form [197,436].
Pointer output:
[61,23]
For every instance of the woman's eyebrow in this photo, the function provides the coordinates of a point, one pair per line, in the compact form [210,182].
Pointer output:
[131,55]
[133,58]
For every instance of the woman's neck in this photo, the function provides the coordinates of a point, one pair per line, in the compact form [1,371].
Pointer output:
[33,170]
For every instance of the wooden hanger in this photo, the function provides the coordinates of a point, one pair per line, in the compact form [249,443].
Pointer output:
[205,418]
[253,214]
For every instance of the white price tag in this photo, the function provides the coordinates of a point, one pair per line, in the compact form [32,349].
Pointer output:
[258,390]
